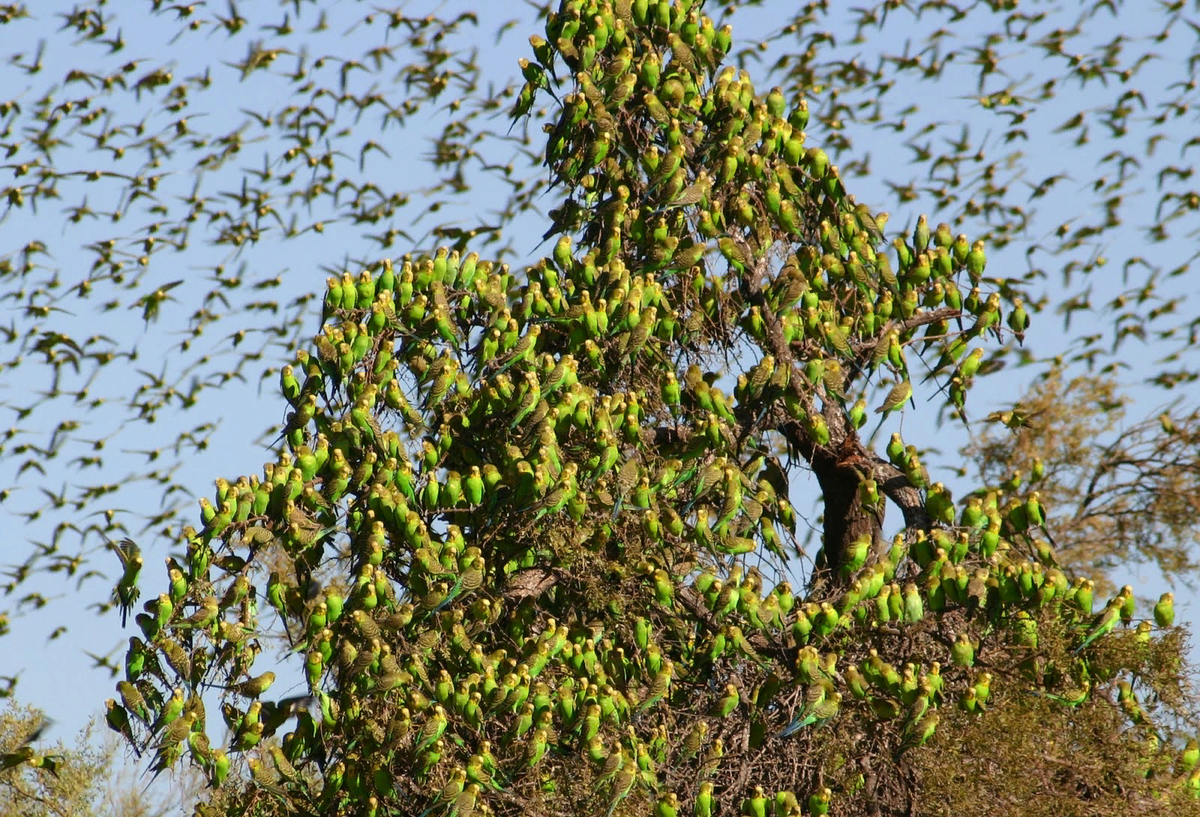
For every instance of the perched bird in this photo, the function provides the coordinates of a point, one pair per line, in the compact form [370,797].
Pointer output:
[1164,610]
[1104,623]
[704,800]
[921,731]
[263,778]
[117,718]
[823,707]
[176,732]
[433,728]
[896,397]
[728,702]
[204,617]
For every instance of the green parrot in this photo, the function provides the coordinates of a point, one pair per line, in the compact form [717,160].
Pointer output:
[117,718]
[263,778]
[622,785]
[914,608]
[896,397]
[171,745]
[532,395]
[1164,610]
[171,711]
[452,789]
[178,582]
[659,685]
[1083,596]
[712,757]
[970,364]
[917,733]
[126,592]
[1018,319]
[704,800]
[818,802]
[539,742]
[284,766]
[137,658]
[478,772]
[464,803]
[469,580]
[433,728]
[667,805]
[756,804]
[728,702]
[177,731]
[816,713]
[1190,756]
[253,687]
[131,696]
[1104,623]
[204,617]
[473,487]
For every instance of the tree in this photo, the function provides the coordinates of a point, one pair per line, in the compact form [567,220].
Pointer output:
[37,780]
[531,530]
[1125,493]
[134,155]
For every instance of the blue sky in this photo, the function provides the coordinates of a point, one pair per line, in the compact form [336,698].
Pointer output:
[57,674]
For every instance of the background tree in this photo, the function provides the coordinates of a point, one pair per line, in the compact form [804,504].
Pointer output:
[1122,494]
[81,780]
[531,530]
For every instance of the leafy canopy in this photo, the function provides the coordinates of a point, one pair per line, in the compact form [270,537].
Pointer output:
[124,153]
[529,532]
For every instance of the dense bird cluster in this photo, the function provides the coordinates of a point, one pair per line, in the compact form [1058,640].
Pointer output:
[529,530]
[277,129]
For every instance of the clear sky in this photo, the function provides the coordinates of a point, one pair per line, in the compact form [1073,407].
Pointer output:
[58,675]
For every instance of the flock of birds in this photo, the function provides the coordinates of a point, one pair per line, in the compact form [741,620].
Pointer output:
[520,534]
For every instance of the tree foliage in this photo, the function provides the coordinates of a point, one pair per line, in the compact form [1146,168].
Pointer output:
[528,533]
[133,156]
[42,780]
[1122,493]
